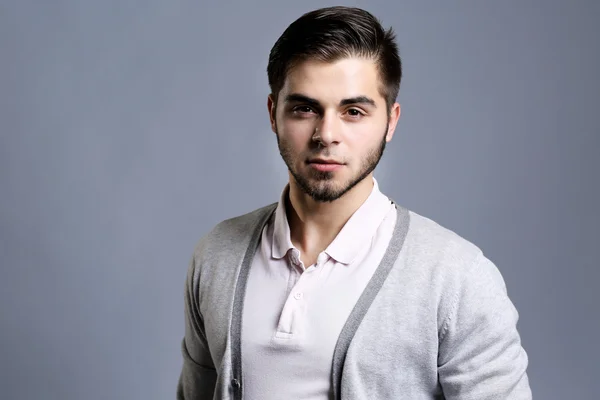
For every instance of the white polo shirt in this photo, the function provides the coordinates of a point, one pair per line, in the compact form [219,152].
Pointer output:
[293,314]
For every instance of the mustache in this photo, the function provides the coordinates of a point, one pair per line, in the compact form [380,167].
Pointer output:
[322,152]
[325,154]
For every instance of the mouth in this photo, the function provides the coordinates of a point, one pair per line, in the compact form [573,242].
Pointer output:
[324,165]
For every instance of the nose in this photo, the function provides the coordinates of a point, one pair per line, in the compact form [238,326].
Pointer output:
[328,129]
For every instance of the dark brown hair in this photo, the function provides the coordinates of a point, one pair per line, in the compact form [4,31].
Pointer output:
[332,33]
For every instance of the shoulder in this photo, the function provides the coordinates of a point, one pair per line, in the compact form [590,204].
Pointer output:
[451,262]
[233,232]
[446,257]
[225,244]
[434,243]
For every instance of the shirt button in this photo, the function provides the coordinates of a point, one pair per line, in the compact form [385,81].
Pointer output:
[298,296]
[235,383]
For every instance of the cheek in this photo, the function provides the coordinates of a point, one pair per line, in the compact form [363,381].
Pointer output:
[296,133]
[362,138]
[290,143]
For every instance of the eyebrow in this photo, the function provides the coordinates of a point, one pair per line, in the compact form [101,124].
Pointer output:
[296,97]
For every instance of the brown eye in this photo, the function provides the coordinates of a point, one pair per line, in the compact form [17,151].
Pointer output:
[353,112]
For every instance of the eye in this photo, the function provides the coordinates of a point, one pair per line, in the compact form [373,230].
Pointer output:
[303,110]
[355,112]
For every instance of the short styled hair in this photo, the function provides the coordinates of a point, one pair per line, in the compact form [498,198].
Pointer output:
[330,34]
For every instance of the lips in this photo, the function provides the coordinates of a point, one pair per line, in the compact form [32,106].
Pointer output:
[323,161]
[324,165]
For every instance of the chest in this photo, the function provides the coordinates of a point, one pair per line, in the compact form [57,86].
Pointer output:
[288,308]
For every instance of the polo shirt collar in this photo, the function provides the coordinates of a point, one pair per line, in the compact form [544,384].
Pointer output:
[354,236]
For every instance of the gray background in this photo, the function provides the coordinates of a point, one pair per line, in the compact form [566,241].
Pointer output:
[129,128]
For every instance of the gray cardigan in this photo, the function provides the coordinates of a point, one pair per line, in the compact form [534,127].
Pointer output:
[434,322]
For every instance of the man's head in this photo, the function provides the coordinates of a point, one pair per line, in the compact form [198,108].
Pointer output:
[334,76]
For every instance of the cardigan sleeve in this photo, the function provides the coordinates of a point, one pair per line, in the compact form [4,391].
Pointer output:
[480,353]
[198,375]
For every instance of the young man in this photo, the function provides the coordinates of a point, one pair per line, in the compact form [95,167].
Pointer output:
[336,291]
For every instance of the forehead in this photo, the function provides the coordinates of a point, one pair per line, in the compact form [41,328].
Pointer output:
[333,81]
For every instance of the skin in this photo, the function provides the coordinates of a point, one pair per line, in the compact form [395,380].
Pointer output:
[334,113]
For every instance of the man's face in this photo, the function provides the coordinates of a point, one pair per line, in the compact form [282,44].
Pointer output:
[332,125]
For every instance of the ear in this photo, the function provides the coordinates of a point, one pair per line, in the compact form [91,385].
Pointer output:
[272,107]
[394,117]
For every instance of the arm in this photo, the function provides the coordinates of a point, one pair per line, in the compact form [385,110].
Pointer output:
[198,375]
[480,353]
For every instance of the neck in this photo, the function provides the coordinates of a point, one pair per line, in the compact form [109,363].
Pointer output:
[314,225]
